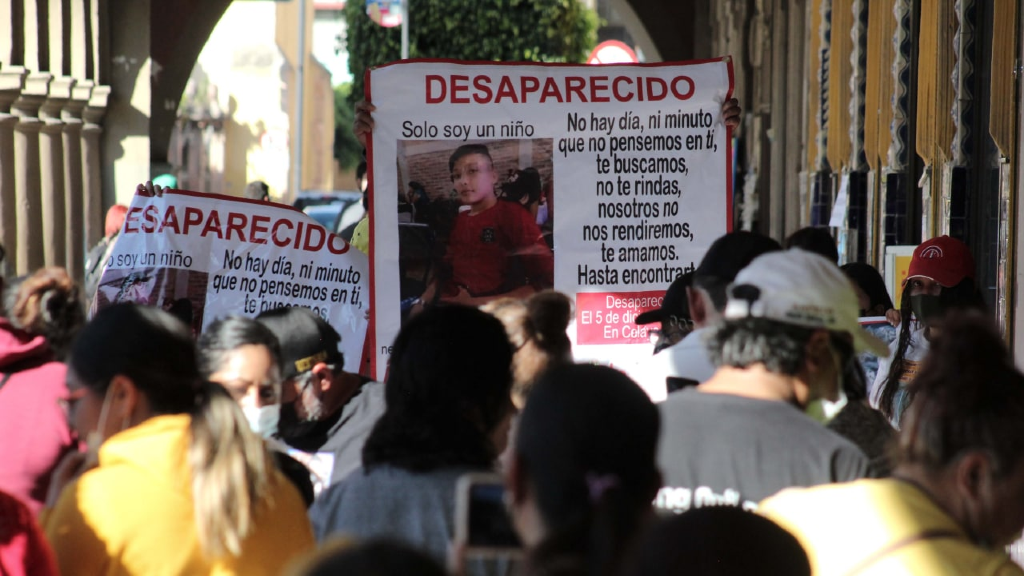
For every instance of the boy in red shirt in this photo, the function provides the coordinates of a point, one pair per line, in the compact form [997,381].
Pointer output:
[491,240]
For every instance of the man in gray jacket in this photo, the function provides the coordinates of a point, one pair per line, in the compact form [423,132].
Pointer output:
[326,413]
[788,332]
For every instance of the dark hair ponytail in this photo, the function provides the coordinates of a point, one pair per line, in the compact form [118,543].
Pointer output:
[891,384]
[549,315]
[596,541]
[586,446]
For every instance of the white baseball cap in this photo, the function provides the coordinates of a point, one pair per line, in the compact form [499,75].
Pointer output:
[800,288]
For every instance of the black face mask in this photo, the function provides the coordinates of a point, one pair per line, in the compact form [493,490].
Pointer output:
[926,307]
[661,344]
[291,428]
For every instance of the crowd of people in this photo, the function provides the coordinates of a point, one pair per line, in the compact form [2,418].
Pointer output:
[132,448]
[797,437]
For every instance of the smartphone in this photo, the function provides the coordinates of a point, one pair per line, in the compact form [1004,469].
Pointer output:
[481,520]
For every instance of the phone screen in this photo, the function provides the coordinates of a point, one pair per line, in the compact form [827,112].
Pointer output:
[489,523]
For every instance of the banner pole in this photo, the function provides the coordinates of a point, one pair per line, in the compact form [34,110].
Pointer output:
[300,95]
[405,30]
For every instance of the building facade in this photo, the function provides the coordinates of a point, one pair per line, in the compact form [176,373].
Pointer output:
[53,100]
[236,115]
[906,111]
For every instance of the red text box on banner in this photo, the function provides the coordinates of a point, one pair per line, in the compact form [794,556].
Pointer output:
[610,317]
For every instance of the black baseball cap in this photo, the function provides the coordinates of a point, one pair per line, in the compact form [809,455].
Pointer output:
[306,339]
[732,253]
[674,304]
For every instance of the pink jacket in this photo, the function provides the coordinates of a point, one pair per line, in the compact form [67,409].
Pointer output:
[23,549]
[34,432]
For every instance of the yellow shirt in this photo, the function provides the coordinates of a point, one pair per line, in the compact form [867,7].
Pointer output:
[361,236]
[133,514]
[843,525]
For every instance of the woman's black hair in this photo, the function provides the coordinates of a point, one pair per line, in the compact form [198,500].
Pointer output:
[704,541]
[963,296]
[815,239]
[183,310]
[229,333]
[871,282]
[378,557]
[448,388]
[149,346]
[586,447]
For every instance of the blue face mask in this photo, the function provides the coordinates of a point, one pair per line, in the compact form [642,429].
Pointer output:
[263,420]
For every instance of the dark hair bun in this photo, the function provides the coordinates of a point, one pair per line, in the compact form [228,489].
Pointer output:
[47,303]
[550,313]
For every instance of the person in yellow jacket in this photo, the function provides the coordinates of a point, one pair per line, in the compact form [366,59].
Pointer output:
[956,496]
[179,484]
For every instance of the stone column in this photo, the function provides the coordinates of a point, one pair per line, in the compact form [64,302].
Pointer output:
[92,184]
[73,189]
[776,213]
[28,209]
[11,81]
[51,164]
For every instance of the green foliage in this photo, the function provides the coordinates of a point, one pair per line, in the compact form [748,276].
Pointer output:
[500,30]
[347,150]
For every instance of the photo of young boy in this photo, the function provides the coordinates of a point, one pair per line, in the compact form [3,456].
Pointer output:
[493,246]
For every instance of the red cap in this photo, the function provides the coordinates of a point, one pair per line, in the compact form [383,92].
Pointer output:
[945,260]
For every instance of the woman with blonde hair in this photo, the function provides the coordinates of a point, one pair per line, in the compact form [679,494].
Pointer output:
[536,327]
[181,485]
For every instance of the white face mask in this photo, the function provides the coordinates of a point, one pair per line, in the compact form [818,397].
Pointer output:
[94,439]
[263,420]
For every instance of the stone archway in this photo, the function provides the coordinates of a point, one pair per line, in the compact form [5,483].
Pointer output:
[186,24]
[678,29]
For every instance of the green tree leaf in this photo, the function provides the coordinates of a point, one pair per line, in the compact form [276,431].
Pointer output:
[347,150]
[499,30]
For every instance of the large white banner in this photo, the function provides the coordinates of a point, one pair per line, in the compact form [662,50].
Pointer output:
[492,179]
[205,256]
